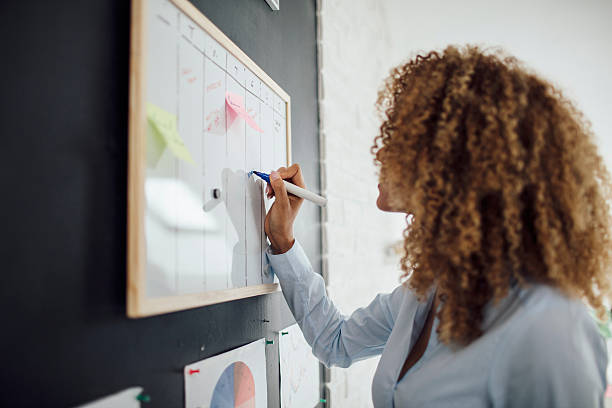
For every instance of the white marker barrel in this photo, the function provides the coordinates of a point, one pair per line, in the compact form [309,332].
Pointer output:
[305,194]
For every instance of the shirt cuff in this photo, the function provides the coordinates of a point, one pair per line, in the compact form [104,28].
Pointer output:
[291,264]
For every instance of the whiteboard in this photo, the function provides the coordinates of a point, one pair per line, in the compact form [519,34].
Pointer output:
[202,116]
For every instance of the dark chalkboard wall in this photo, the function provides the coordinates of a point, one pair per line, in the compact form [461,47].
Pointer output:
[64,336]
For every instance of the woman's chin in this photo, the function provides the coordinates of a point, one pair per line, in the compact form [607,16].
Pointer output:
[382,206]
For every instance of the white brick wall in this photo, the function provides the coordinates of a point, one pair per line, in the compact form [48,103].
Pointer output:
[359,41]
[353,60]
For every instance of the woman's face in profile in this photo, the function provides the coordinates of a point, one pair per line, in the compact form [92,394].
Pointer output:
[383,199]
[382,202]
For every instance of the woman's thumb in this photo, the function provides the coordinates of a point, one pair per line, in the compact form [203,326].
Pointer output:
[280,192]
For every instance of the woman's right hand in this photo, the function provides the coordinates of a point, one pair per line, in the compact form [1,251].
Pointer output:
[279,220]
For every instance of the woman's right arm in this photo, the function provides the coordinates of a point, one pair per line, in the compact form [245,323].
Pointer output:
[335,339]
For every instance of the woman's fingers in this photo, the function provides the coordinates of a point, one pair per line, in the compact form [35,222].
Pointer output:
[278,224]
[292,174]
[279,190]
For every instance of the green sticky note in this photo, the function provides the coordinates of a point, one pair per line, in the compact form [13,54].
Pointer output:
[156,146]
[164,124]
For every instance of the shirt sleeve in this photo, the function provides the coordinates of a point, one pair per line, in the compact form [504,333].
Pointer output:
[556,359]
[336,340]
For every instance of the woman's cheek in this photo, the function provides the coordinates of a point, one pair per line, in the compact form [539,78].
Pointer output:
[381,201]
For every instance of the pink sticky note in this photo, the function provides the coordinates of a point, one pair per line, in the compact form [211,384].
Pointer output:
[236,104]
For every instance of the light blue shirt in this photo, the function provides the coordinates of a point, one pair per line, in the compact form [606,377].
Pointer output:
[539,347]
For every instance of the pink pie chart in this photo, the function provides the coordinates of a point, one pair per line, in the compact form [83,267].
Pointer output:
[235,388]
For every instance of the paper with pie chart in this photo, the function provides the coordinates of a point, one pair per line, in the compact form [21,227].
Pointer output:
[235,379]
[299,370]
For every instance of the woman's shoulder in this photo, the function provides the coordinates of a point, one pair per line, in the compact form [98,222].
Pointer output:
[550,345]
[553,329]
[404,301]
[547,310]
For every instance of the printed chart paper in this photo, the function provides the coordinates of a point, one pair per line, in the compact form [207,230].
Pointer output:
[235,379]
[299,370]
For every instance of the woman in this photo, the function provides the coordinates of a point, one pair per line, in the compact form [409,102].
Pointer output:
[507,234]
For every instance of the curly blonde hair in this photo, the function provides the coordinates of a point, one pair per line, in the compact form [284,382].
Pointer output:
[501,181]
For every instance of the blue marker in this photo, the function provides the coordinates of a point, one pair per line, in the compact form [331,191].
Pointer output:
[264,176]
[295,190]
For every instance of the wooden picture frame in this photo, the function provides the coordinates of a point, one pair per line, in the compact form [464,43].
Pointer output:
[138,303]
